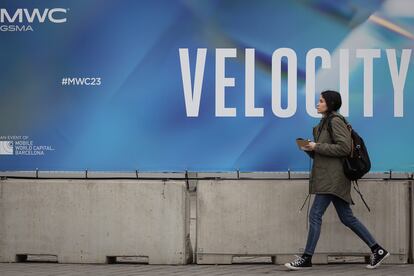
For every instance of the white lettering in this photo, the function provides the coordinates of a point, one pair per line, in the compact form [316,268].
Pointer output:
[398,78]
[31,15]
[222,82]
[310,77]
[277,109]
[250,109]
[192,97]
[368,55]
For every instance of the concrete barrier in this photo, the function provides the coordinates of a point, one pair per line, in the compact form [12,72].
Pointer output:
[91,221]
[412,223]
[262,218]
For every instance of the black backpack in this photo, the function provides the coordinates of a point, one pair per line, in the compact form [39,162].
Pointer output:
[357,164]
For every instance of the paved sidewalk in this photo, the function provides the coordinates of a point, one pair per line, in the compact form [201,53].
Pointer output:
[49,269]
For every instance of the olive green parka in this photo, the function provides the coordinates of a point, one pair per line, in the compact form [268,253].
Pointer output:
[327,175]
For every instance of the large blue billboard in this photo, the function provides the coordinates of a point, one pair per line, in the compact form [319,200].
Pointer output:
[199,85]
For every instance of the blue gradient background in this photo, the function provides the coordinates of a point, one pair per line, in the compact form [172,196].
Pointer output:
[136,119]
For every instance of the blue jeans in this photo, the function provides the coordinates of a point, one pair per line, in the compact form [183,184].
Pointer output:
[345,214]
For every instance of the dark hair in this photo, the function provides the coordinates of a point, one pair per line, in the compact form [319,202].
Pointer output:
[333,100]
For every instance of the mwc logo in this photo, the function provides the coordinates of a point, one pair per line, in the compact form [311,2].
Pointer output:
[55,15]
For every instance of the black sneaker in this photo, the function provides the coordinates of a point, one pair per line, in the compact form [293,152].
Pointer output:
[377,257]
[299,263]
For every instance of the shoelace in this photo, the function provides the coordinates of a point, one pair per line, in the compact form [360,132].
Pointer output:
[298,261]
[374,256]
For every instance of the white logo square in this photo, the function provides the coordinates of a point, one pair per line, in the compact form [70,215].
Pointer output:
[6,147]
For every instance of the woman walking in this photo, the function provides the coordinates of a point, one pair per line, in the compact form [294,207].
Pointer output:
[329,183]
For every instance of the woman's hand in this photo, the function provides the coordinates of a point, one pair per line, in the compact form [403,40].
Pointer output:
[309,147]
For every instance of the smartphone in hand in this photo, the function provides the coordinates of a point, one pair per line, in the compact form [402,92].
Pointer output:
[302,142]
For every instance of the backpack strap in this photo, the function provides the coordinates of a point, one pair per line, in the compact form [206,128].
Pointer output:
[307,211]
[321,127]
[330,124]
[356,188]
[355,182]
[330,131]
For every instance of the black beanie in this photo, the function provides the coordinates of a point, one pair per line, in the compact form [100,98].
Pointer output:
[332,99]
